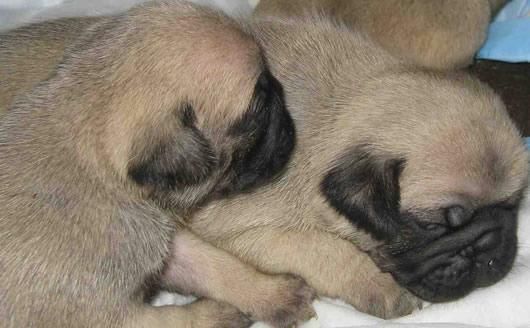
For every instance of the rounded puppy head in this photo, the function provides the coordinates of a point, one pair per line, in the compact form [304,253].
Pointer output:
[391,23]
[435,186]
[180,102]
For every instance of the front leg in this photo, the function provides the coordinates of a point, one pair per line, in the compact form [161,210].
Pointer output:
[333,266]
[198,268]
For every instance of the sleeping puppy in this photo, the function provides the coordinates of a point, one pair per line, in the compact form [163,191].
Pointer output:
[100,161]
[404,184]
[438,34]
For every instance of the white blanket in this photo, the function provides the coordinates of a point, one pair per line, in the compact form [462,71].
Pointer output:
[507,304]
[14,13]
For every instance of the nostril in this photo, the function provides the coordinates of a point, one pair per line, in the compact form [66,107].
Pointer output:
[457,216]
[488,241]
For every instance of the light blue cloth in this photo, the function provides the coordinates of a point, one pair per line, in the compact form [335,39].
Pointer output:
[509,34]
[528,143]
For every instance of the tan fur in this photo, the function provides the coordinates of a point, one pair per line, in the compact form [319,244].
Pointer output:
[30,54]
[79,238]
[438,34]
[210,272]
[343,91]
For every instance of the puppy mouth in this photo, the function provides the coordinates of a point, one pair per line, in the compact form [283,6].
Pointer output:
[447,267]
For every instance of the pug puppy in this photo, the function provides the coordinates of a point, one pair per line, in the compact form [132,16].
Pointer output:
[140,118]
[404,185]
[436,34]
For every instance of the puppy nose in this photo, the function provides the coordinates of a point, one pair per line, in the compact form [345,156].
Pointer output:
[457,216]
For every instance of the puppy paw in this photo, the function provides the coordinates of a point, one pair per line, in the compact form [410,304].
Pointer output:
[287,302]
[384,298]
[392,306]
[212,314]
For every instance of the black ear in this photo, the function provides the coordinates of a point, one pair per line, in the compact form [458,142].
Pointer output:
[184,159]
[365,189]
[269,128]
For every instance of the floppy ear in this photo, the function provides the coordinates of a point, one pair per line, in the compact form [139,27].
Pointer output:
[365,189]
[183,159]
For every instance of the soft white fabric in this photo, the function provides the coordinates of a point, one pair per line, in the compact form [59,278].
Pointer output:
[506,304]
[14,13]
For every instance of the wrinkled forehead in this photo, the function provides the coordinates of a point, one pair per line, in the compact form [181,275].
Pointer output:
[457,140]
[473,170]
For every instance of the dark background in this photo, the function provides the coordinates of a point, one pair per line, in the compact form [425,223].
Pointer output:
[512,82]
